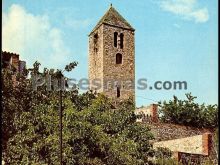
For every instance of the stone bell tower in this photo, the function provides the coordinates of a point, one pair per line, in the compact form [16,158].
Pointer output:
[112,57]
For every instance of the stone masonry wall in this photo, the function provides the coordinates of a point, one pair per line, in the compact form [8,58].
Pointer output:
[96,58]
[102,62]
[125,72]
[166,131]
[198,144]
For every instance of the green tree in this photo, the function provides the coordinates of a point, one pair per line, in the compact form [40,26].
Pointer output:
[93,132]
[188,112]
[19,99]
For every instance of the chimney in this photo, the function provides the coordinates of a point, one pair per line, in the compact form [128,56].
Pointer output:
[154,112]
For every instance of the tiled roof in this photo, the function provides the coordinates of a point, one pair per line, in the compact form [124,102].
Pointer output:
[112,17]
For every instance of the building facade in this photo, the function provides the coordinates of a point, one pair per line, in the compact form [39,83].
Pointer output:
[12,61]
[112,57]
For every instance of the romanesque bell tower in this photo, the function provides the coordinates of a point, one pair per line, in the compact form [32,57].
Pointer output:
[112,57]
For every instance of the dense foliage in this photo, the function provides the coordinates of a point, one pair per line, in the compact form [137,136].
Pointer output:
[93,132]
[188,112]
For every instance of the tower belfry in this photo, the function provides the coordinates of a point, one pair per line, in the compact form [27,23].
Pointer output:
[112,56]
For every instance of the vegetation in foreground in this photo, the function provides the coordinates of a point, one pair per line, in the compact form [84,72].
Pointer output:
[93,131]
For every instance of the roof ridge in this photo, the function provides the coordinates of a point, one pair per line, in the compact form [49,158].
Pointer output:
[121,17]
[112,12]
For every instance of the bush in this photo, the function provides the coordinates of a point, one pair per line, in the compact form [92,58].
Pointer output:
[187,112]
[163,153]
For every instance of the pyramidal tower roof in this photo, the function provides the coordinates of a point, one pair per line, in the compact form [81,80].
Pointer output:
[112,17]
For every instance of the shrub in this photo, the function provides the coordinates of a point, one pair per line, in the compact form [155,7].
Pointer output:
[187,112]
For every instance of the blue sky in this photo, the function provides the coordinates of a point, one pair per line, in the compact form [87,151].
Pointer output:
[176,40]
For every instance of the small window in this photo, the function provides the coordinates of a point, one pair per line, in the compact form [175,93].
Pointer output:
[115,39]
[118,92]
[96,43]
[95,38]
[121,40]
[118,58]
